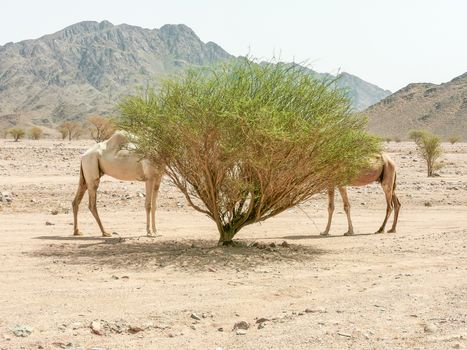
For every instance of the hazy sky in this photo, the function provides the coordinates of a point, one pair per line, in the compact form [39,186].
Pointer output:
[389,43]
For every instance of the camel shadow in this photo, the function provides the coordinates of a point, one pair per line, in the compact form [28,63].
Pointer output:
[306,237]
[142,253]
[80,238]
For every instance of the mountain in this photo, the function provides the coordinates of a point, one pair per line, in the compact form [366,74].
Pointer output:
[87,67]
[438,108]
[362,93]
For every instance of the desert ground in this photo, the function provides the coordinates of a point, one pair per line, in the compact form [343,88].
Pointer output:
[406,290]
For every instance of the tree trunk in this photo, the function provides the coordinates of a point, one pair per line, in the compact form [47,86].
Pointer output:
[226,236]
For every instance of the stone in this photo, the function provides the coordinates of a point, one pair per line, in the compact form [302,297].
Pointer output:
[313,311]
[76,325]
[6,197]
[347,335]
[96,328]
[135,329]
[195,317]
[430,328]
[22,330]
[241,332]
[241,325]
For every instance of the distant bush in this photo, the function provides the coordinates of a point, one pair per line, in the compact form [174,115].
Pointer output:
[101,128]
[63,132]
[429,148]
[35,133]
[397,139]
[70,129]
[17,133]
[387,139]
[454,139]
[415,135]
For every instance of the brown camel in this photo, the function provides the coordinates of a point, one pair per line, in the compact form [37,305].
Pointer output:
[383,170]
[113,157]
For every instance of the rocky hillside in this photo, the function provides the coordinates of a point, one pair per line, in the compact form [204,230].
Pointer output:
[362,93]
[86,68]
[439,108]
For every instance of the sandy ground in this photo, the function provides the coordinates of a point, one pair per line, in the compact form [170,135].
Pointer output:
[179,291]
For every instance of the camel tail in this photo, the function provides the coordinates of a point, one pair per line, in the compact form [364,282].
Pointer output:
[395,181]
[82,179]
[381,177]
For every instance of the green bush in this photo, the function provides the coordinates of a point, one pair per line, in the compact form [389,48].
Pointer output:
[429,148]
[35,133]
[416,135]
[454,139]
[17,133]
[244,141]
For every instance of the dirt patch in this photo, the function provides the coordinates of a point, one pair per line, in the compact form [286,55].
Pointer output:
[180,291]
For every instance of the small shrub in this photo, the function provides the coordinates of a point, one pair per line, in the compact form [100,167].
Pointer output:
[70,129]
[415,135]
[17,133]
[63,132]
[429,148]
[35,133]
[397,139]
[454,139]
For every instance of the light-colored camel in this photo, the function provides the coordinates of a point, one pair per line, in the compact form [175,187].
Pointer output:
[383,170]
[114,157]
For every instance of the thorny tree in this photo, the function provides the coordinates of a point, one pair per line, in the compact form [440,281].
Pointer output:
[246,141]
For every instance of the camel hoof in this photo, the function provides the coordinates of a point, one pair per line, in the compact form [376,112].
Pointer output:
[324,234]
[77,233]
[392,231]
[151,234]
[106,234]
[379,231]
[348,234]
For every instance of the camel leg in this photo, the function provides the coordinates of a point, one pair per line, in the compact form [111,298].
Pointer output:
[92,190]
[389,206]
[330,211]
[148,205]
[78,197]
[397,207]
[345,199]
[155,192]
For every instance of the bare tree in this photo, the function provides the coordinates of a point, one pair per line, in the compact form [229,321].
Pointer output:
[71,129]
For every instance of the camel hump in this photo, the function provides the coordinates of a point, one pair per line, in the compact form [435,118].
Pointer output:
[120,139]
